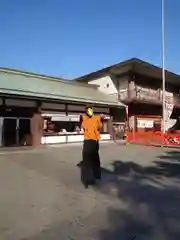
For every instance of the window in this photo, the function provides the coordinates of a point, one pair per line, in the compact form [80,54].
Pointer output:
[107,85]
[61,127]
[66,127]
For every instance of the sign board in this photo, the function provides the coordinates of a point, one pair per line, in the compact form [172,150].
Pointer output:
[169,105]
[142,123]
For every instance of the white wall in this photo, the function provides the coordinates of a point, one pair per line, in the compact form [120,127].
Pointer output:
[106,85]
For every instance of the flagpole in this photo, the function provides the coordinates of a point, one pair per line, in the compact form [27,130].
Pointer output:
[163,73]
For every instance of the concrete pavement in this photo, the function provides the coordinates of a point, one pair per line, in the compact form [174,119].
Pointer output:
[42,197]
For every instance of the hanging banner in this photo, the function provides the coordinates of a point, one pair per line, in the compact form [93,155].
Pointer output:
[169,105]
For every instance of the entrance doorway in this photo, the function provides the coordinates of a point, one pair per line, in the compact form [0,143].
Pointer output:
[10,132]
[23,130]
[15,131]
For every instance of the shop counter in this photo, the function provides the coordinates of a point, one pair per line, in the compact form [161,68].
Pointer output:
[68,138]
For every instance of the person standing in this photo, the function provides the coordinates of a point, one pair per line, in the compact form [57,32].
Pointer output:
[90,165]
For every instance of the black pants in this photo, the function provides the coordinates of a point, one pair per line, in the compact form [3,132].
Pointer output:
[97,163]
[90,167]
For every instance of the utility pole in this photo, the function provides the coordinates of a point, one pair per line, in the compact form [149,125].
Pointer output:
[163,74]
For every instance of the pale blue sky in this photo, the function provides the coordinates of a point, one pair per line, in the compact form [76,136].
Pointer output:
[69,38]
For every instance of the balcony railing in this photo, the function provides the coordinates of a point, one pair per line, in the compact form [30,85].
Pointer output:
[148,94]
[140,93]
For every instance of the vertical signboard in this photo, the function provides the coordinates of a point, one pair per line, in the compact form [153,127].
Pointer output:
[169,105]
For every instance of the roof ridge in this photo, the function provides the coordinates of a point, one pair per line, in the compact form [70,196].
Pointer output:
[130,61]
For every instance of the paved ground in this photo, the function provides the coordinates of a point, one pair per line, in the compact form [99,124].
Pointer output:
[41,196]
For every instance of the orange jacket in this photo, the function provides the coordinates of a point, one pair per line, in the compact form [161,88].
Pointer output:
[91,127]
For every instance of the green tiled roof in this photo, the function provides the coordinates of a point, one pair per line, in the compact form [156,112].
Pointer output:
[32,85]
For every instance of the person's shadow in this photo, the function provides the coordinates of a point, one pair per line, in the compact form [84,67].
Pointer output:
[152,196]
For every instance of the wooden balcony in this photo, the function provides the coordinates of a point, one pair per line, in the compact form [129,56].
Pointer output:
[146,95]
[139,93]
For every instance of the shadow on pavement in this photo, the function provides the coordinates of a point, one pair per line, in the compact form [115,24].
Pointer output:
[152,198]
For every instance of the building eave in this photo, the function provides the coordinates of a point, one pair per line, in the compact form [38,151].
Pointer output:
[27,94]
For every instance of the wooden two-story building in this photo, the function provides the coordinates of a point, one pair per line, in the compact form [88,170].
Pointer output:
[139,85]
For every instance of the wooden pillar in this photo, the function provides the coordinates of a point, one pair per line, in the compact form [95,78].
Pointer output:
[36,129]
